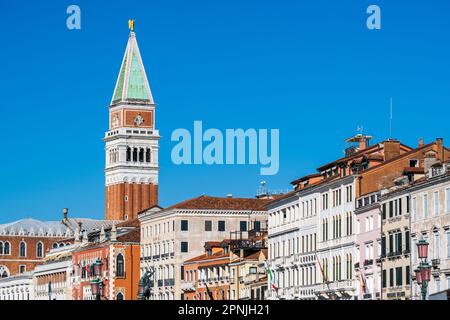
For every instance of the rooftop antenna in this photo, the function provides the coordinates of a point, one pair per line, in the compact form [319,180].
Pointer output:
[390,119]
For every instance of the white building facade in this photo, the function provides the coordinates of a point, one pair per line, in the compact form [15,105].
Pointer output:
[17,287]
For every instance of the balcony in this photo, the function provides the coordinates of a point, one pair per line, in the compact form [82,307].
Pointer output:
[435,263]
[368,262]
[357,265]
[406,252]
[187,286]
[378,261]
[367,296]
[156,257]
[160,283]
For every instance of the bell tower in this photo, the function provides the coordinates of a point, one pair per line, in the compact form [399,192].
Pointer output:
[131,169]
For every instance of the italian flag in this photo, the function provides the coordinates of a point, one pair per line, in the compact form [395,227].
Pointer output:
[270,276]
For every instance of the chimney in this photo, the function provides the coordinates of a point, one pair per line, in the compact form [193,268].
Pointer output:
[362,143]
[420,143]
[440,149]
[428,160]
[391,149]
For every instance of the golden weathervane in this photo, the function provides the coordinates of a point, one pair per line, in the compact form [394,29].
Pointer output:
[131,24]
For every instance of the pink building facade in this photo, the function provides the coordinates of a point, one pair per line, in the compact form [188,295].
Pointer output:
[368,247]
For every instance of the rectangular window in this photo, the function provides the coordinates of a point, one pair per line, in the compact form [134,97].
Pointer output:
[391,277]
[391,243]
[408,275]
[383,246]
[407,204]
[243,226]
[407,241]
[436,246]
[182,272]
[184,246]
[425,206]
[447,200]
[448,246]
[398,276]
[208,225]
[257,225]
[391,209]
[436,204]
[414,208]
[384,279]
[22,269]
[384,212]
[400,206]
[184,225]
[221,226]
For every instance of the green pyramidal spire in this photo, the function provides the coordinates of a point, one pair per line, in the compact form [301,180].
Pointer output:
[132,83]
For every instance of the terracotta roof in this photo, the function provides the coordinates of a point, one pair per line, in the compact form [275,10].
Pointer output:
[216,203]
[413,170]
[359,153]
[130,223]
[206,257]
[314,175]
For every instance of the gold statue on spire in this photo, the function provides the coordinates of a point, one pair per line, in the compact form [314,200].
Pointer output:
[131,25]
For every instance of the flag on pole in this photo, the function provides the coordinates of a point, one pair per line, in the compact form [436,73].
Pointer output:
[270,276]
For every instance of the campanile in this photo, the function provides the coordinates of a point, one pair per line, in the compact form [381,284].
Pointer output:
[131,169]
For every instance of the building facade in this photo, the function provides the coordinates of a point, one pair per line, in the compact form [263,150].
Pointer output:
[430,220]
[208,275]
[17,287]
[173,235]
[116,249]
[368,247]
[52,280]
[131,170]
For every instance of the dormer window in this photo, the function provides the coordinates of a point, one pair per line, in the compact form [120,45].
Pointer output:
[209,252]
[413,163]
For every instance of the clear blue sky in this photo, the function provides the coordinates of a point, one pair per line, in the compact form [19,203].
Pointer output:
[310,68]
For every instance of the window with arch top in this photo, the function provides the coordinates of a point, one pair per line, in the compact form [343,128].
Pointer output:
[120,266]
[22,249]
[119,296]
[39,250]
[6,248]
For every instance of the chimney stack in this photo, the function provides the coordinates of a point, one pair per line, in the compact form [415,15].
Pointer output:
[391,149]
[420,142]
[440,149]
[363,143]
[428,160]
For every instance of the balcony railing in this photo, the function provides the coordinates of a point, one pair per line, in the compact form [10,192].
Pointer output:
[368,262]
[435,263]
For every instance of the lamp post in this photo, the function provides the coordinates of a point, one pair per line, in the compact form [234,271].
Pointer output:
[424,269]
[97,283]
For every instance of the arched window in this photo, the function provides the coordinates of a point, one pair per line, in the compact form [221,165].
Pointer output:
[22,249]
[147,155]
[61,244]
[4,273]
[55,245]
[141,155]
[128,154]
[135,154]
[1,247]
[120,268]
[119,296]
[6,248]
[39,250]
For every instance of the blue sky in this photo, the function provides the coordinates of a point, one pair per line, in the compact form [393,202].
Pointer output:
[310,68]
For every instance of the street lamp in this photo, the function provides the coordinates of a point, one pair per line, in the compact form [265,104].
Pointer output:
[424,269]
[97,284]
